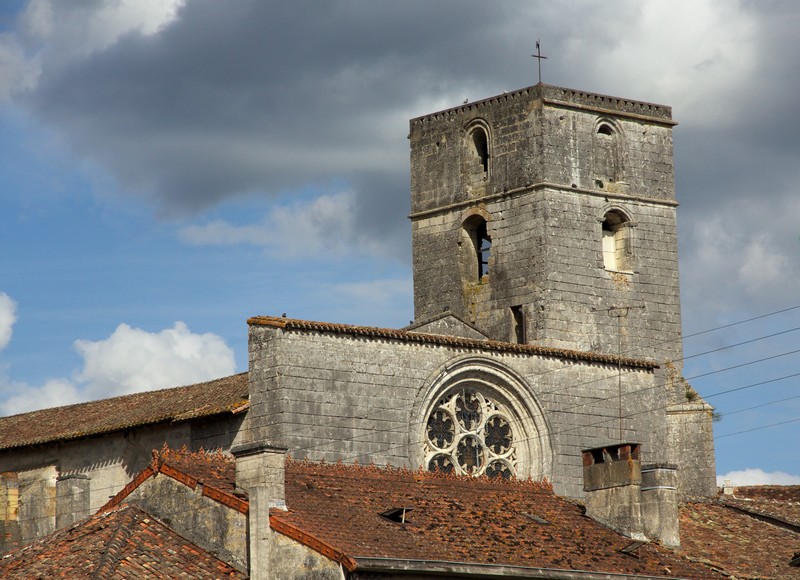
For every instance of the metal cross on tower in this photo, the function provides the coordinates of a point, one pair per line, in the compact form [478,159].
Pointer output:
[538,56]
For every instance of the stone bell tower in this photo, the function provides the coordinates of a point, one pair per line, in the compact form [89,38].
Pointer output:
[547,216]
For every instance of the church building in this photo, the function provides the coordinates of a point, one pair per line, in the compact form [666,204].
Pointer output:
[546,343]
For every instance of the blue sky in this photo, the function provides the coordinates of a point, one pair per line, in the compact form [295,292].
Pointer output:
[172,168]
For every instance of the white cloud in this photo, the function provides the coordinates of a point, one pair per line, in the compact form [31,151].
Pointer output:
[131,360]
[685,52]
[50,34]
[325,226]
[7,318]
[53,393]
[67,30]
[757,256]
[372,293]
[755,476]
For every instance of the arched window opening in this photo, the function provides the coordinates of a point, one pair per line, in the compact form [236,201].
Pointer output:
[483,243]
[607,165]
[481,143]
[617,243]
[519,330]
[605,129]
[470,433]
[476,247]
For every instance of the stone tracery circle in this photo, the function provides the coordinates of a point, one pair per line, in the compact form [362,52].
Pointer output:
[470,433]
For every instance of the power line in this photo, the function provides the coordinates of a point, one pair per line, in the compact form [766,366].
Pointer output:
[751,385]
[757,428]
[729,413]
[742,343]
[742,321]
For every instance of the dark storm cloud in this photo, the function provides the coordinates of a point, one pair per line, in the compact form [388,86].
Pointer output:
[258,96]
[254,97]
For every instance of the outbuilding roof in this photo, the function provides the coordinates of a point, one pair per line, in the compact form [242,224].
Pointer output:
[225,395]
[744,545]
[121,543]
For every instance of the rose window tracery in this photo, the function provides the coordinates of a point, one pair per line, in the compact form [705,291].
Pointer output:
[470,433]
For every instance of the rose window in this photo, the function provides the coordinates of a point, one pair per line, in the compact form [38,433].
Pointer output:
[470,433]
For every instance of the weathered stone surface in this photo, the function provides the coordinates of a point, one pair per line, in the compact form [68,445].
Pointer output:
[543,197]
[339,397]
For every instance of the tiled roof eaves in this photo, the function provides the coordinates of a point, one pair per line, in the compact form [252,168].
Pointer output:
[168,418]
[128,489]
[431,567]
[312,542]
[174,417]
[436,339]
[209,491]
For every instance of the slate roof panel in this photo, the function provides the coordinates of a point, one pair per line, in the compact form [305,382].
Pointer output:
[97,417]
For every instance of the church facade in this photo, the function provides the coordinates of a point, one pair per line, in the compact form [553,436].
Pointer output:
[546,338]
[547,311]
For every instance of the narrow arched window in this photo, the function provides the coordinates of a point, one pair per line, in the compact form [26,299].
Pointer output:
[606,154]
[617,242]
[483,244]
[477,244]
[481,144]
[477,147]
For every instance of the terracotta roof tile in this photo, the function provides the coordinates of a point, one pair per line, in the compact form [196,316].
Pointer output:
[437,339]
[122,543]
[783,493]
[84,419]
[741,545]
[213,470]
[780,502]
[478,521]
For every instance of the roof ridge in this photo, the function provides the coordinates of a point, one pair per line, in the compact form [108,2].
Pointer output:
[445,340]
[114,547]
[160,463]
[73,406]
[357,470]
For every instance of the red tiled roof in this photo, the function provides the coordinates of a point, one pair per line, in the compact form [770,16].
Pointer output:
[737,543]
[409,336]
[123,543]
[784,493]
[336,510]
[214,470]
[227,394]
[779,502]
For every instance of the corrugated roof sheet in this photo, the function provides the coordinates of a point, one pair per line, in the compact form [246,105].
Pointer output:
[107,415]
[443,340]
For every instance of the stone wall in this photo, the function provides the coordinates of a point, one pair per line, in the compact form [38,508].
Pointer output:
[329,396]
[690,429]
[211,525]
[80,476]
[543,199]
